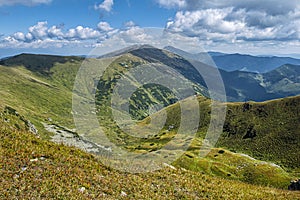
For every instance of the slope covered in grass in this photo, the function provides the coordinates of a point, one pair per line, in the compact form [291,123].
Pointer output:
[267,131]
[40,96]
[32,168]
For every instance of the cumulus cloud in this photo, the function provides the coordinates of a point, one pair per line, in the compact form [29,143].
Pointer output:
[40,35]
[39,31]
[233,20]
[130,36]
[55,32]
[82,33]
[23,2]
[106,5]
[271,6]
[19,36]
[104,26]
[129,24]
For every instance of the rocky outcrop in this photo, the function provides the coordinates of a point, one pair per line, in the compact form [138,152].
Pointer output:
[12,113]
[32,128]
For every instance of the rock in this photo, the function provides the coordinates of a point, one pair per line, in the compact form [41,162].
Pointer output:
[170,166]
[123,194]
[295,185]
[42,158]
[82,189]
[170,127]
[34,160]
[32,128]
[16,176]
[24,168]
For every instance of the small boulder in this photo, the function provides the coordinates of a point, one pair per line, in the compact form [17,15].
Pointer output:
[82,189]
[123,194]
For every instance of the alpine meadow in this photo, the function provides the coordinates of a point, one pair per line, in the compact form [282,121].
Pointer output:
[94,104]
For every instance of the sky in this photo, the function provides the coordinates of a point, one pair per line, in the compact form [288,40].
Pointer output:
[76,27]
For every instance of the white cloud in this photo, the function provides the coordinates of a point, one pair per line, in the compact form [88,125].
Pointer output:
[82,33]
[40,36]
[206,24]
[129,24]
[234,20]
[55,32]
[104,26]
[19,36]
[80,40]
[106,5]
[172,3]
[23,2]
[134,35]
[271,6]
[29,36]
[39,31]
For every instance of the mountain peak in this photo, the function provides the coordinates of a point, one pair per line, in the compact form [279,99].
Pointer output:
[126,50]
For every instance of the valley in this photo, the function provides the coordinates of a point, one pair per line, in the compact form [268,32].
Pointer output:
[257,152]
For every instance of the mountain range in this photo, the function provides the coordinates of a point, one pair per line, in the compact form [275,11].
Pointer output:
[239,62]
[280,80]
[37,90]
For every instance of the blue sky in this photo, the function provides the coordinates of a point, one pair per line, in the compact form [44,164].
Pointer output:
[72,13]
[76,26]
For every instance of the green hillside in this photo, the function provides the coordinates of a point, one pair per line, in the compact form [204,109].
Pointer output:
[269,130]
[32,168]
[266,131]
[37,94]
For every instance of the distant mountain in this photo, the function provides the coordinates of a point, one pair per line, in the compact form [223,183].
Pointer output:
[239,85]
[232,62]
[283,80]
[245,86]
[201,57]
[212,53]
[240,62]
[37,62]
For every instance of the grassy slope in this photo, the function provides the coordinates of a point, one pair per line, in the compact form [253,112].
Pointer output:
[52,98]
[269,130]
[40,97]
[235,166]
[66,170]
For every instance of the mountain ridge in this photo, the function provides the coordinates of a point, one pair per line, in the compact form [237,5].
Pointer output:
[240,62]
[53,105]
[239,85]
